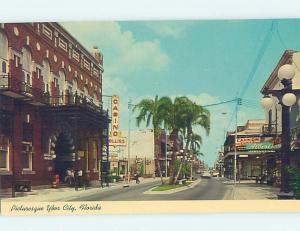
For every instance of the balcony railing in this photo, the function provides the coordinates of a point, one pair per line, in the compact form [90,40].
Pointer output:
[71,99]
[18,88]
[21,90]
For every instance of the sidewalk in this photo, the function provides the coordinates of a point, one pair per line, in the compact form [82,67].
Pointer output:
[249,190]
[67,193]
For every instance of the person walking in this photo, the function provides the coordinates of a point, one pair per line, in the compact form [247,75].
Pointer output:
[136,175]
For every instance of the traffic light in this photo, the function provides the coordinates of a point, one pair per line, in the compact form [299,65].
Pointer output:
[239,101]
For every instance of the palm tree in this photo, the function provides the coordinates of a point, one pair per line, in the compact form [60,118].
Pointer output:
[175,117]
[152,111]
[194,115]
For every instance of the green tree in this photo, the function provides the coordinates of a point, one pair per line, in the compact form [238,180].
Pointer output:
[193,115]
[175,120]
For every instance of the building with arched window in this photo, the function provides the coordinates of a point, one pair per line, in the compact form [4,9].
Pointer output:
[51,118]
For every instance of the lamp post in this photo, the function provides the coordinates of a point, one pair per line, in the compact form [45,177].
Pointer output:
[287,98]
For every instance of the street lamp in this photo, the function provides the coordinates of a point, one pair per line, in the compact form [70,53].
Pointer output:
[287,98]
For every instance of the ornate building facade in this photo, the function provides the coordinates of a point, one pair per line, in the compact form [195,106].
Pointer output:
[50,105]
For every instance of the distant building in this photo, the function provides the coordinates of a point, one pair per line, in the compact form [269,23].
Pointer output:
[140,155]
[251,146]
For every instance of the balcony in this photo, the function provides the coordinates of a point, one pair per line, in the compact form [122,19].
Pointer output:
[64,101]
[14,88]
[65,107]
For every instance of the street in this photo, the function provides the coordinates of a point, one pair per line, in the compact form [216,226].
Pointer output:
[207,189]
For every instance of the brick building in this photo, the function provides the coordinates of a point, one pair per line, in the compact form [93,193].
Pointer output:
[51,115]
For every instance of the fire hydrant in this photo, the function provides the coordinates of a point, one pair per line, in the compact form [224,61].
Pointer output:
[55,181]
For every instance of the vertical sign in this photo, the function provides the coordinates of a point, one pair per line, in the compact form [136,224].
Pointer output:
[115,116]
[115,138]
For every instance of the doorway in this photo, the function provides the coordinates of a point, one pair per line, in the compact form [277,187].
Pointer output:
[65,156]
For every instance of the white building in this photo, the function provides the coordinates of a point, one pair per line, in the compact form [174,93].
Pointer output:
[140,153]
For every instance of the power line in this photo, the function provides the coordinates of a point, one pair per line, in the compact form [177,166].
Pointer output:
[283,44]
[258,59]
[220,103]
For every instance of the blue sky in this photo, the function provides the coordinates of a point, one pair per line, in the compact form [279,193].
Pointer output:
[209,61]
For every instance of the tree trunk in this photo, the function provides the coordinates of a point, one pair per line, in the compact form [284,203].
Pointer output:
[179,171]
[173,137]
[183,160]
[158,163]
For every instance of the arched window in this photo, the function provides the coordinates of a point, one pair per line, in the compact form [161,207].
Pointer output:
[26,64]
[3,67]
[62,81]
[3,53]
[46,73]
[86,94]
[75,86]
[4,152]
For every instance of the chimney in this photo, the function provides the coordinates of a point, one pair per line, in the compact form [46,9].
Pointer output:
[97,55]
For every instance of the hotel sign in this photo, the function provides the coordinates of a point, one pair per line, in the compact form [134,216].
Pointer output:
[115,138]
[259,146]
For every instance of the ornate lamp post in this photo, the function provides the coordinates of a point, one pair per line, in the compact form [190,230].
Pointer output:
[287,98]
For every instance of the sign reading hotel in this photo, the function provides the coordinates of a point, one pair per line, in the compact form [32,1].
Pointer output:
[115,138]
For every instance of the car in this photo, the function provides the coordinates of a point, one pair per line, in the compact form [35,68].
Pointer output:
[206,174]
[215,174]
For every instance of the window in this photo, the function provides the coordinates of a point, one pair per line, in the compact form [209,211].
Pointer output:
[3,67]
[27,118]
[55,82]
[17,60]
[46,73]
[38,72]
[28,79]
[3,48]
[4,153]
[26,155]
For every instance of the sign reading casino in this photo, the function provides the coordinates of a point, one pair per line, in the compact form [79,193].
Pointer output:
[115,138]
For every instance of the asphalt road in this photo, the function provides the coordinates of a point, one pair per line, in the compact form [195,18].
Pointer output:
[207,189]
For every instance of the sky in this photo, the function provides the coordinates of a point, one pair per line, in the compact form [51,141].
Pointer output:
[208,61]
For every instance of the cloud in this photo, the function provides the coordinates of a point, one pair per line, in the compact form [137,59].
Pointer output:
[123,54]
[167,29]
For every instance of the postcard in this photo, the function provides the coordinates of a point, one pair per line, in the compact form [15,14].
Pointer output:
[113,117]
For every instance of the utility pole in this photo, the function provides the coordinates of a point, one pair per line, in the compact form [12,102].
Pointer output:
[129,131]
[238,103]
[235,139]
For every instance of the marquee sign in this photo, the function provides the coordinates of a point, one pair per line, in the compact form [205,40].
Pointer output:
[115,138]
[241,141]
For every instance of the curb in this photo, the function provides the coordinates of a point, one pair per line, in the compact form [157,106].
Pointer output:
[171,191]
[71,195]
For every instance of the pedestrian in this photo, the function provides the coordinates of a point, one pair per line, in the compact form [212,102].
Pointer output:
[136,175]
[80,180]
[68,178]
